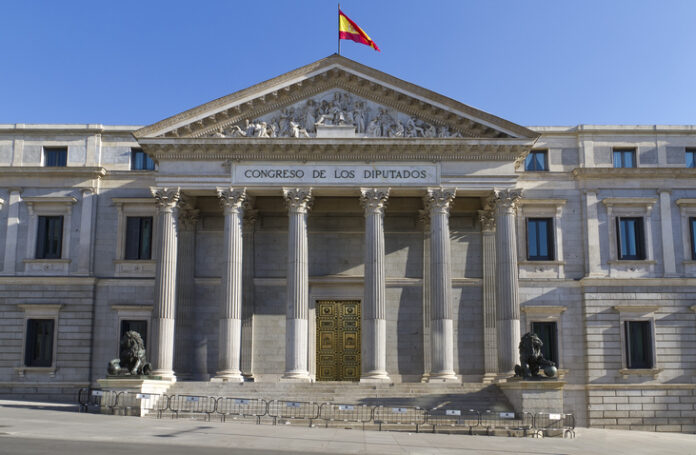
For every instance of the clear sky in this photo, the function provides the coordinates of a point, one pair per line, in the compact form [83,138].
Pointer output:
[533,62]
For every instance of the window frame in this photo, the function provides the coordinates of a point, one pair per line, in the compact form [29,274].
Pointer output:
[650,344]
[554,352]
[637,313]
[547,313]
[541,208]
[48,206]
[550,238]
[622,151]
[39,311]
[126,312]
[692,151]
[135,207]
[639,235]
[146,159]
[630,207]
[53,148]
[139,239]
[43,244]
[532,154]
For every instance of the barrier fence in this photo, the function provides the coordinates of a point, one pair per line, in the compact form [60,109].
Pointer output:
[542,424]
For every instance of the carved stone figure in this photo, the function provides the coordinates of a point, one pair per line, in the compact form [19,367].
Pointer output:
[396,130]
[296,131]
[359,115]
[413,130]
[131,359]
[373,128]
[531,358]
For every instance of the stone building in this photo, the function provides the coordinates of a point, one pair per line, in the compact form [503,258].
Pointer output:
[336,223]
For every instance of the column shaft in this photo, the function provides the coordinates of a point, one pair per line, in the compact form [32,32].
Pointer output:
[247,365]
[230,346]
[507,291]
[297,292]
[374,329]
[490,351]
[438,203]
[162,352]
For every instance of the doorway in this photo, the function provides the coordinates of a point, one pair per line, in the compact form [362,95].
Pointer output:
[338,340]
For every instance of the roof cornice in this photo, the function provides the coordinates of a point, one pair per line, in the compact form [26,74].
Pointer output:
[586,173]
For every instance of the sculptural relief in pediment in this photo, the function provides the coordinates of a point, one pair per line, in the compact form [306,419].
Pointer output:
[332,111]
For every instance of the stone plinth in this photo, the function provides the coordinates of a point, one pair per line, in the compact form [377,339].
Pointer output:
[333,131]
[534,396]
[135,385]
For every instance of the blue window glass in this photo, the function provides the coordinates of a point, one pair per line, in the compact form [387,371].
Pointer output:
[540,239]
[49,237]
[638,336]
[55,156]
[536,161]
[630,238]
[138,237]
[140,161]
[690,158]
[624,158]
[692,225]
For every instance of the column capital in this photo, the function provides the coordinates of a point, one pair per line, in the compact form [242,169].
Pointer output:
[439,199]
[250,213]
[507,199]
[166,198]
[487,219]
[298,199]
[232,199]
[374,200]
[2,202]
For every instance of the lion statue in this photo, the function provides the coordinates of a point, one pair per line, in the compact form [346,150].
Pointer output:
[131,360]
[531,358]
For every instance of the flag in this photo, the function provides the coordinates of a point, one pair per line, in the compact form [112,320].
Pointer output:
[347,29]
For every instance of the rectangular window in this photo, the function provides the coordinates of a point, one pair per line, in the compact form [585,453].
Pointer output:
[540,239]
[38,351]
[639,349]
[691,157]
[137,325]
[548,334]
[692,227]
[536,161]
[140,161]
[630,238]
[138,237]
[625,157]
[49,239]
[55,156]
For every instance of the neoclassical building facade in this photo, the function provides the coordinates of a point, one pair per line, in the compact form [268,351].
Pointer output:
[336,223]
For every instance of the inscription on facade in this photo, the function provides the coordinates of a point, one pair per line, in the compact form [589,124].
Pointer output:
[336,174]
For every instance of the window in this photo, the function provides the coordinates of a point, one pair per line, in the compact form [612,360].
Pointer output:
[548,334]
[140,161]
[55,156]
[38,351]
[625,157]
[692,225]
[540,239]
[691,157]
[630,238]
[138,237]
[138,325]
[49,239]
[638,337]
[536,161]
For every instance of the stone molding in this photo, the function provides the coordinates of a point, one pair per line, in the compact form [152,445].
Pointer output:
[587,173]
[487,220]
[298,200]
[543,309]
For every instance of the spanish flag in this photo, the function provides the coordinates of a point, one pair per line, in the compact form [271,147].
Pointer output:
[347,29]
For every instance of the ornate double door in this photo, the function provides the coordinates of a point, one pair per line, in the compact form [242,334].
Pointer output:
[338,340]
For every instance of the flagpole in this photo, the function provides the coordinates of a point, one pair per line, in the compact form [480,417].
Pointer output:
[339,29]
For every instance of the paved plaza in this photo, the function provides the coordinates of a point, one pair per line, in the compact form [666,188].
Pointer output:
[43,428]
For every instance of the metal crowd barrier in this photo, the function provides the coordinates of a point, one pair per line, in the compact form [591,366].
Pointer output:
[353,413]
[444,417]
[241,407]
[90,397]
[406,415]
[520,421]
[554,424]
[192,404]
[144,403]
[281,409]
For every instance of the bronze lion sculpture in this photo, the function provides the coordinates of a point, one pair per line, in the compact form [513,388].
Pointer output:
[531,358]
[131,359]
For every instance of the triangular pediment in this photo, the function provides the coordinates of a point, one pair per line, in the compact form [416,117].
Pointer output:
[335,97]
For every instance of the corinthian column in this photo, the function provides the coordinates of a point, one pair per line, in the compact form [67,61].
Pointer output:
[374,311]
[183,349]
[230,344]
[162,350]
[490,352]
[299,201]
[438,203]
[507,290]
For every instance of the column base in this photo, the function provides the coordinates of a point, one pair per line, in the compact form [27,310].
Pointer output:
[164,375]
[443,377]
[296,376]
[227,376]
[489,378]
[375,377]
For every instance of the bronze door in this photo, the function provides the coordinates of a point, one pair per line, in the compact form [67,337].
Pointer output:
[338,340]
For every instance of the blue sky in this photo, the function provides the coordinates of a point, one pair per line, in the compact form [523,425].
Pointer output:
[532,62]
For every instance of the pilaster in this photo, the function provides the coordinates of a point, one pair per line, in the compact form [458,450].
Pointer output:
[12,206]
[374,329]
[668,256]
[86,234]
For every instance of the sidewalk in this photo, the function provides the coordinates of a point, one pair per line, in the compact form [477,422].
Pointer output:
[29,427]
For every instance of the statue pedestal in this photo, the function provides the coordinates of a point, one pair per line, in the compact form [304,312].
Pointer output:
[142,397]
[544,395]
[333,131]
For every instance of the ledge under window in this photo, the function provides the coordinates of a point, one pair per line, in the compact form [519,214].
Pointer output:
[46,266]
[626,372]
[22,371]
[135,267]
